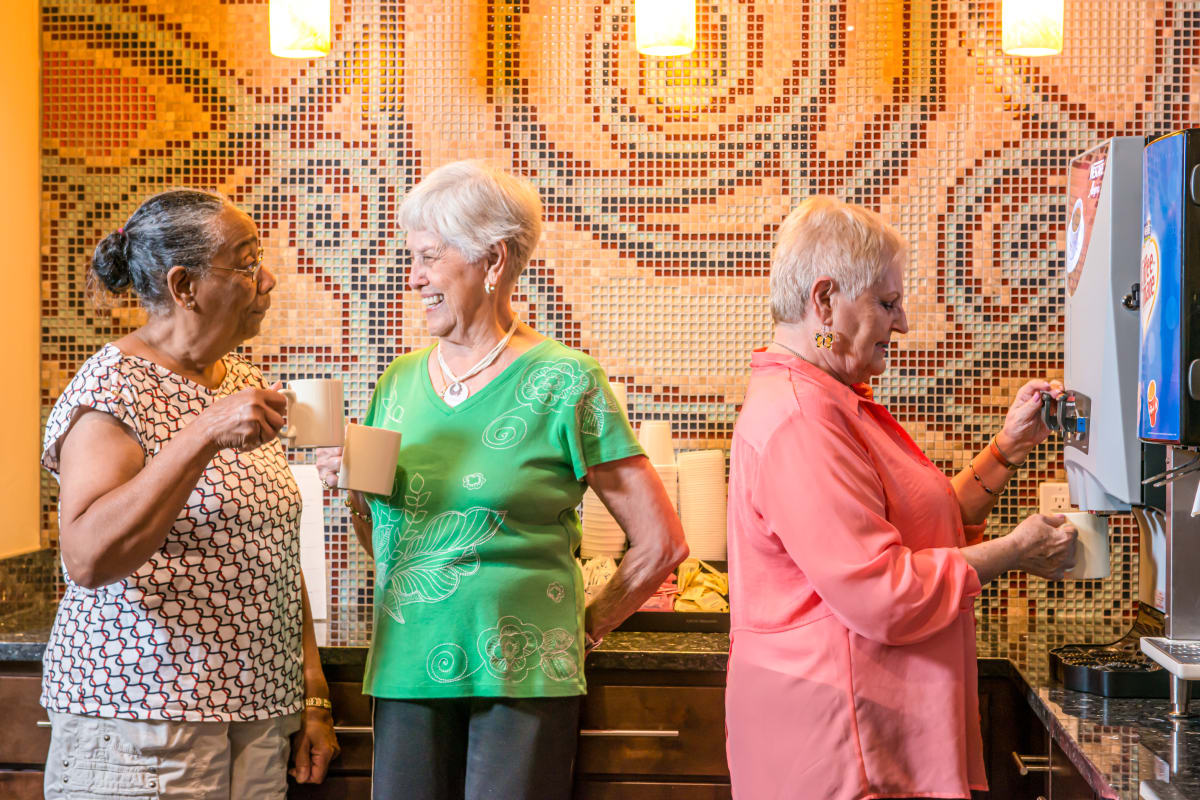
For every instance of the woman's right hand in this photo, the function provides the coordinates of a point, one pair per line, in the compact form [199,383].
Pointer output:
[1047,545]
[329,464]
[245,420]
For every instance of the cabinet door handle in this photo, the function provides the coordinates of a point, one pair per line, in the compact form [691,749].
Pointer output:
[1028,764]
[352,729]
[43,723]
[617,732]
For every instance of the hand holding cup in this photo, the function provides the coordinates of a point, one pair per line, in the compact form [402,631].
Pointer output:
[244,420]
[1047,543]
[329,465]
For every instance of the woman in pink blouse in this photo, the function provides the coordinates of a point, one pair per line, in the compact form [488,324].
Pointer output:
[852,663]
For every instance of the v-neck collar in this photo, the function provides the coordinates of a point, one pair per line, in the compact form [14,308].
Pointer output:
[473,399]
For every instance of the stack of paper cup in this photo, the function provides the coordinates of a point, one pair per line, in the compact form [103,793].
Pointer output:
[655,438]
[602,536]
[702,496]
[622,395]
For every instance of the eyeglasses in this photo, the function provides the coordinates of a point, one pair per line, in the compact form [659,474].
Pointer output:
[251,270]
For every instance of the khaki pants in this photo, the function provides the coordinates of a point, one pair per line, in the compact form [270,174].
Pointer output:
[97,759]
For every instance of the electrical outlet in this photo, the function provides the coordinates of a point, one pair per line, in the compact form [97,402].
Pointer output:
[1054,497]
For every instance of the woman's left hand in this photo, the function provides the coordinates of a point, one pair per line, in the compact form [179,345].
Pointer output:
[1023,427]
[314,746]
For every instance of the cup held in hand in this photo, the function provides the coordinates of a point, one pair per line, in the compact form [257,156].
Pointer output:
[315,413]
[369,459]
[1091,548]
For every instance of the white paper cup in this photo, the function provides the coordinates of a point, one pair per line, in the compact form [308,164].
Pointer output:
[369,459]
[315,413]
[654,436]
[1091,548]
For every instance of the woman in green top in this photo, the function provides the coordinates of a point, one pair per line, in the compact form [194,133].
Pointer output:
[476,663]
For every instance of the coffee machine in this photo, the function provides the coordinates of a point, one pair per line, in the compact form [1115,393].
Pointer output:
[1096,419]
[1169,386]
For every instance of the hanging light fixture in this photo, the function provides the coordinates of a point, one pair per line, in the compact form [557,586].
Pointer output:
[300,28]
[665,27]
[1032,27]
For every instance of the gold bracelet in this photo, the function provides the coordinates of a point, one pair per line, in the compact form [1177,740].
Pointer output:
[318,702]
[354,512]
[982,485]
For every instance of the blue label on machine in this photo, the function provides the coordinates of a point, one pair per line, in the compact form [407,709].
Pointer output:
[1160,368]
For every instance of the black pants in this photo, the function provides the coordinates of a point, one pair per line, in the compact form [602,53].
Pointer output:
[475,747]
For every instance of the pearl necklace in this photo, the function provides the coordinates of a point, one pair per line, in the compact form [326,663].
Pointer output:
[456,390]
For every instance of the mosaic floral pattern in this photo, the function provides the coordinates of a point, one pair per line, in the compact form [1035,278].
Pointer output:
[663,182]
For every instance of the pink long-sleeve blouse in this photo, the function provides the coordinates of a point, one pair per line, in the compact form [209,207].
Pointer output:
[852,667]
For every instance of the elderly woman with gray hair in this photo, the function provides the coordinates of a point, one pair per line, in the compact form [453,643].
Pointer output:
[182,656]
[854,562]
[476,663]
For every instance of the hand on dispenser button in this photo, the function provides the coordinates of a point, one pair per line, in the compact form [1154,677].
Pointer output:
[1047,545]
[1023,426]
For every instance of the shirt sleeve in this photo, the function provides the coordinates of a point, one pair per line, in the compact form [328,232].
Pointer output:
[595,427]
[820,494]
[98,386]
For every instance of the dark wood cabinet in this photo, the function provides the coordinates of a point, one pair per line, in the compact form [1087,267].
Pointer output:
[1065,781]
[1012,736]
[651,735]
[635,790]
[21,784]
[646,735]
[26,738]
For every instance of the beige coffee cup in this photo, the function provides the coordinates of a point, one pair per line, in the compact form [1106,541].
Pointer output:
[1091,548]
[369,459]
[315,413]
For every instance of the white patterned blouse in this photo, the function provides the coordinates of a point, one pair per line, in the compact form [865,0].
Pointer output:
[209,629]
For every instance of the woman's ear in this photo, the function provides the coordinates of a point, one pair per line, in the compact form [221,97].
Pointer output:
[820,298]
[181,288]
[497,266]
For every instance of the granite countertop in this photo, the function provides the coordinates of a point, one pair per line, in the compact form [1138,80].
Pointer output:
[1115,743]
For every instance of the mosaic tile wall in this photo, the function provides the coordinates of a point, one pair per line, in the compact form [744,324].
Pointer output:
[663,182]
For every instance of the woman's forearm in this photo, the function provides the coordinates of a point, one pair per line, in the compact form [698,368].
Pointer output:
[118,531]
[979,486]
[640,574]
[361,520]
[635,496]
[315,684]
[994,557]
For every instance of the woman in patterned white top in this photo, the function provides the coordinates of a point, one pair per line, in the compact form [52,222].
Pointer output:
[183,652]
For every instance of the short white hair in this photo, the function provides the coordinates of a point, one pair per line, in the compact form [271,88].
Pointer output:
[472,206]
[825,237]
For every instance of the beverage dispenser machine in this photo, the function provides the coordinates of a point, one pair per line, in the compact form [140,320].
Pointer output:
[1097,416]
[1169,386]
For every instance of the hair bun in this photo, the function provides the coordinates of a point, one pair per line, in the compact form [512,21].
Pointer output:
[110,262]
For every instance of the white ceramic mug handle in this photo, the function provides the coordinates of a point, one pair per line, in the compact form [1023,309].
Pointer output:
[288,431]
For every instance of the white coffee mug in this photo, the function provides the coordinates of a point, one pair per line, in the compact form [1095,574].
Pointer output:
[315,413]
[369,459]
[1091,548]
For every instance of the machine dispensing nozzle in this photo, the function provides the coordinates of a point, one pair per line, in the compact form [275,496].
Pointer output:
[1067,415]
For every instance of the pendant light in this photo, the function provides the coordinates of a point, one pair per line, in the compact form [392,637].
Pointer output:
[665,27]
[1032,27]
[300,28]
